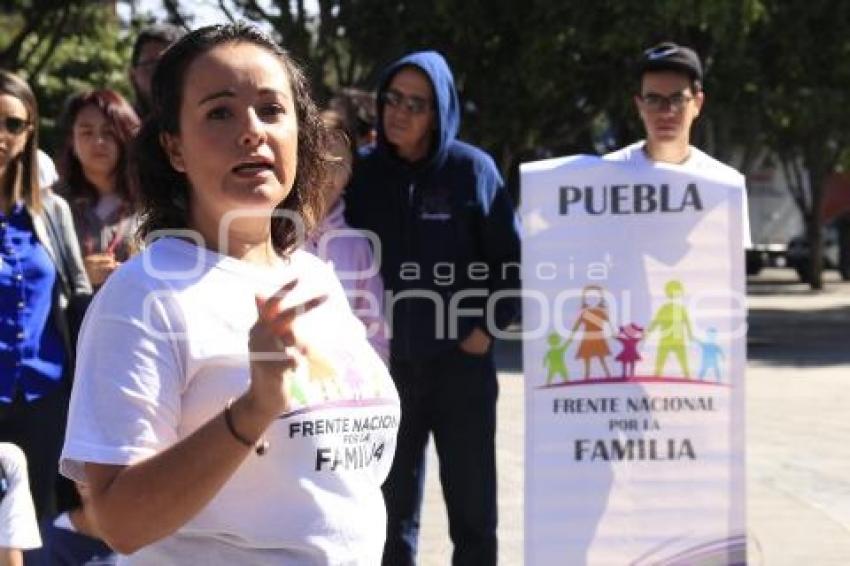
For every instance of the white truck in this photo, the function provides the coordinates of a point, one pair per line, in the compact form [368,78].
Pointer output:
[774,216]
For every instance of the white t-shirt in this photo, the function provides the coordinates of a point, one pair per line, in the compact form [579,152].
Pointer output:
[698,160]
[164,345]
[18,525]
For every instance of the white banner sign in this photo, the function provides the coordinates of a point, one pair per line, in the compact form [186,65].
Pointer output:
[634,355]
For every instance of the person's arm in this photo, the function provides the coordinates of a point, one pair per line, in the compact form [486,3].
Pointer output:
[499,240]
[611,328]
[77,278]
[99,267]
[370,310]
[687,321]
[141,503]
[500,248]
[11,557]
[18,523]
[577,324]
[477,342]
[653,324]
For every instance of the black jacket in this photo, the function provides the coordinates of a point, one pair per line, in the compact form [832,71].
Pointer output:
[448,232]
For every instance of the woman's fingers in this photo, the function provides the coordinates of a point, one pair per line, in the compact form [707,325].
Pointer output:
[268,307]
[281,324]
[273,333]
[265,346]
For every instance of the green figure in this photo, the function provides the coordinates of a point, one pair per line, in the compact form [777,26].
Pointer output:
[554,360]
[675,326]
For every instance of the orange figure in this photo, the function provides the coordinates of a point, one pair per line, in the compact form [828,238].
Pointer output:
[594,318]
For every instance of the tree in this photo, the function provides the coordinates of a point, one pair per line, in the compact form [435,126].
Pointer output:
[62,48]
[803,51]
[548,77]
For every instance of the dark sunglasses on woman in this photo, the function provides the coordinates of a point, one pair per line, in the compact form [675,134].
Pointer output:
[13,124]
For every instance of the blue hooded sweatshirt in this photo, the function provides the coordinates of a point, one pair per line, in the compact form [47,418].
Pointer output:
[447,227]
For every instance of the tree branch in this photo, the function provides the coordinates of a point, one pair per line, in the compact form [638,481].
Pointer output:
[58,33]
[227,13]
[174,13]
[10,56]
[254,7]
[24,59]
[795,182]
[352,65]
[301,12]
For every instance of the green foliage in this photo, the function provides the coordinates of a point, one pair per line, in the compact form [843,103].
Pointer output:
[538,77]
[63,48]
[802,48]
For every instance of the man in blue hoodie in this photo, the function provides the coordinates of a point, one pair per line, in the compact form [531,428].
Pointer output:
[449,252]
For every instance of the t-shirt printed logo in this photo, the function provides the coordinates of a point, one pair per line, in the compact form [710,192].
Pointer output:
[344,406]
[436,205]
[342,377]
[345,442]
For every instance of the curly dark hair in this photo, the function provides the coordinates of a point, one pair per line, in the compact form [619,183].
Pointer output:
[164,192]
[125,124]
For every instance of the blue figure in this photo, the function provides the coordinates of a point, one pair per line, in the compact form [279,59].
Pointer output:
[711,354]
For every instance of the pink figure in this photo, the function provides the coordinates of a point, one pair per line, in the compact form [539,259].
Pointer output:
[629,337]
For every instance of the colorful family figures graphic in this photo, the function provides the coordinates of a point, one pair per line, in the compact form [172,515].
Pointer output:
[629,337]
[673,322]
[333,376]
[554,360]
[593,327]
[711,354]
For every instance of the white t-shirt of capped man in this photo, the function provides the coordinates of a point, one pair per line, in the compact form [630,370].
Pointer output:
[164,345]
[698,160]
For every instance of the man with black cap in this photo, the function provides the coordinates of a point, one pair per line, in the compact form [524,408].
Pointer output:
[669,101]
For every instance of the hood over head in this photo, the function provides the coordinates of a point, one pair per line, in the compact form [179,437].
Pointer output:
[446,103]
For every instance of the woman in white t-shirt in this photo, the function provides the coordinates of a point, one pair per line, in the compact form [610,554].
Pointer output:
[227,407]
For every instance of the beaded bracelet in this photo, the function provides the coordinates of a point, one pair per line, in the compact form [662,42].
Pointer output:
[260,447]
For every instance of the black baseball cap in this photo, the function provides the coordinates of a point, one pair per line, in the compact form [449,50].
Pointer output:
[668,56]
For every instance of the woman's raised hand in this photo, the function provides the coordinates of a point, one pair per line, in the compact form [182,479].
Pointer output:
[99,267]
[275,349]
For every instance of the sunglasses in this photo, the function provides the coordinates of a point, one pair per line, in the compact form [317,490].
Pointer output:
[413,104]
[13,124]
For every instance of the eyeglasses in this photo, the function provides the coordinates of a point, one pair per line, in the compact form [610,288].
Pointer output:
[13,124]
[660,103]
[413,104]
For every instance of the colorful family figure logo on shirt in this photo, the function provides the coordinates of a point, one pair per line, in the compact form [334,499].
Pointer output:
[671,325]
[347,378]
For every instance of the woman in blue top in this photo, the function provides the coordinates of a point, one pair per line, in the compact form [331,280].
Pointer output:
[41,274]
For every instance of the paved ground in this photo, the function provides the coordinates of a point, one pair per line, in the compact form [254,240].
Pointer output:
[798,432]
